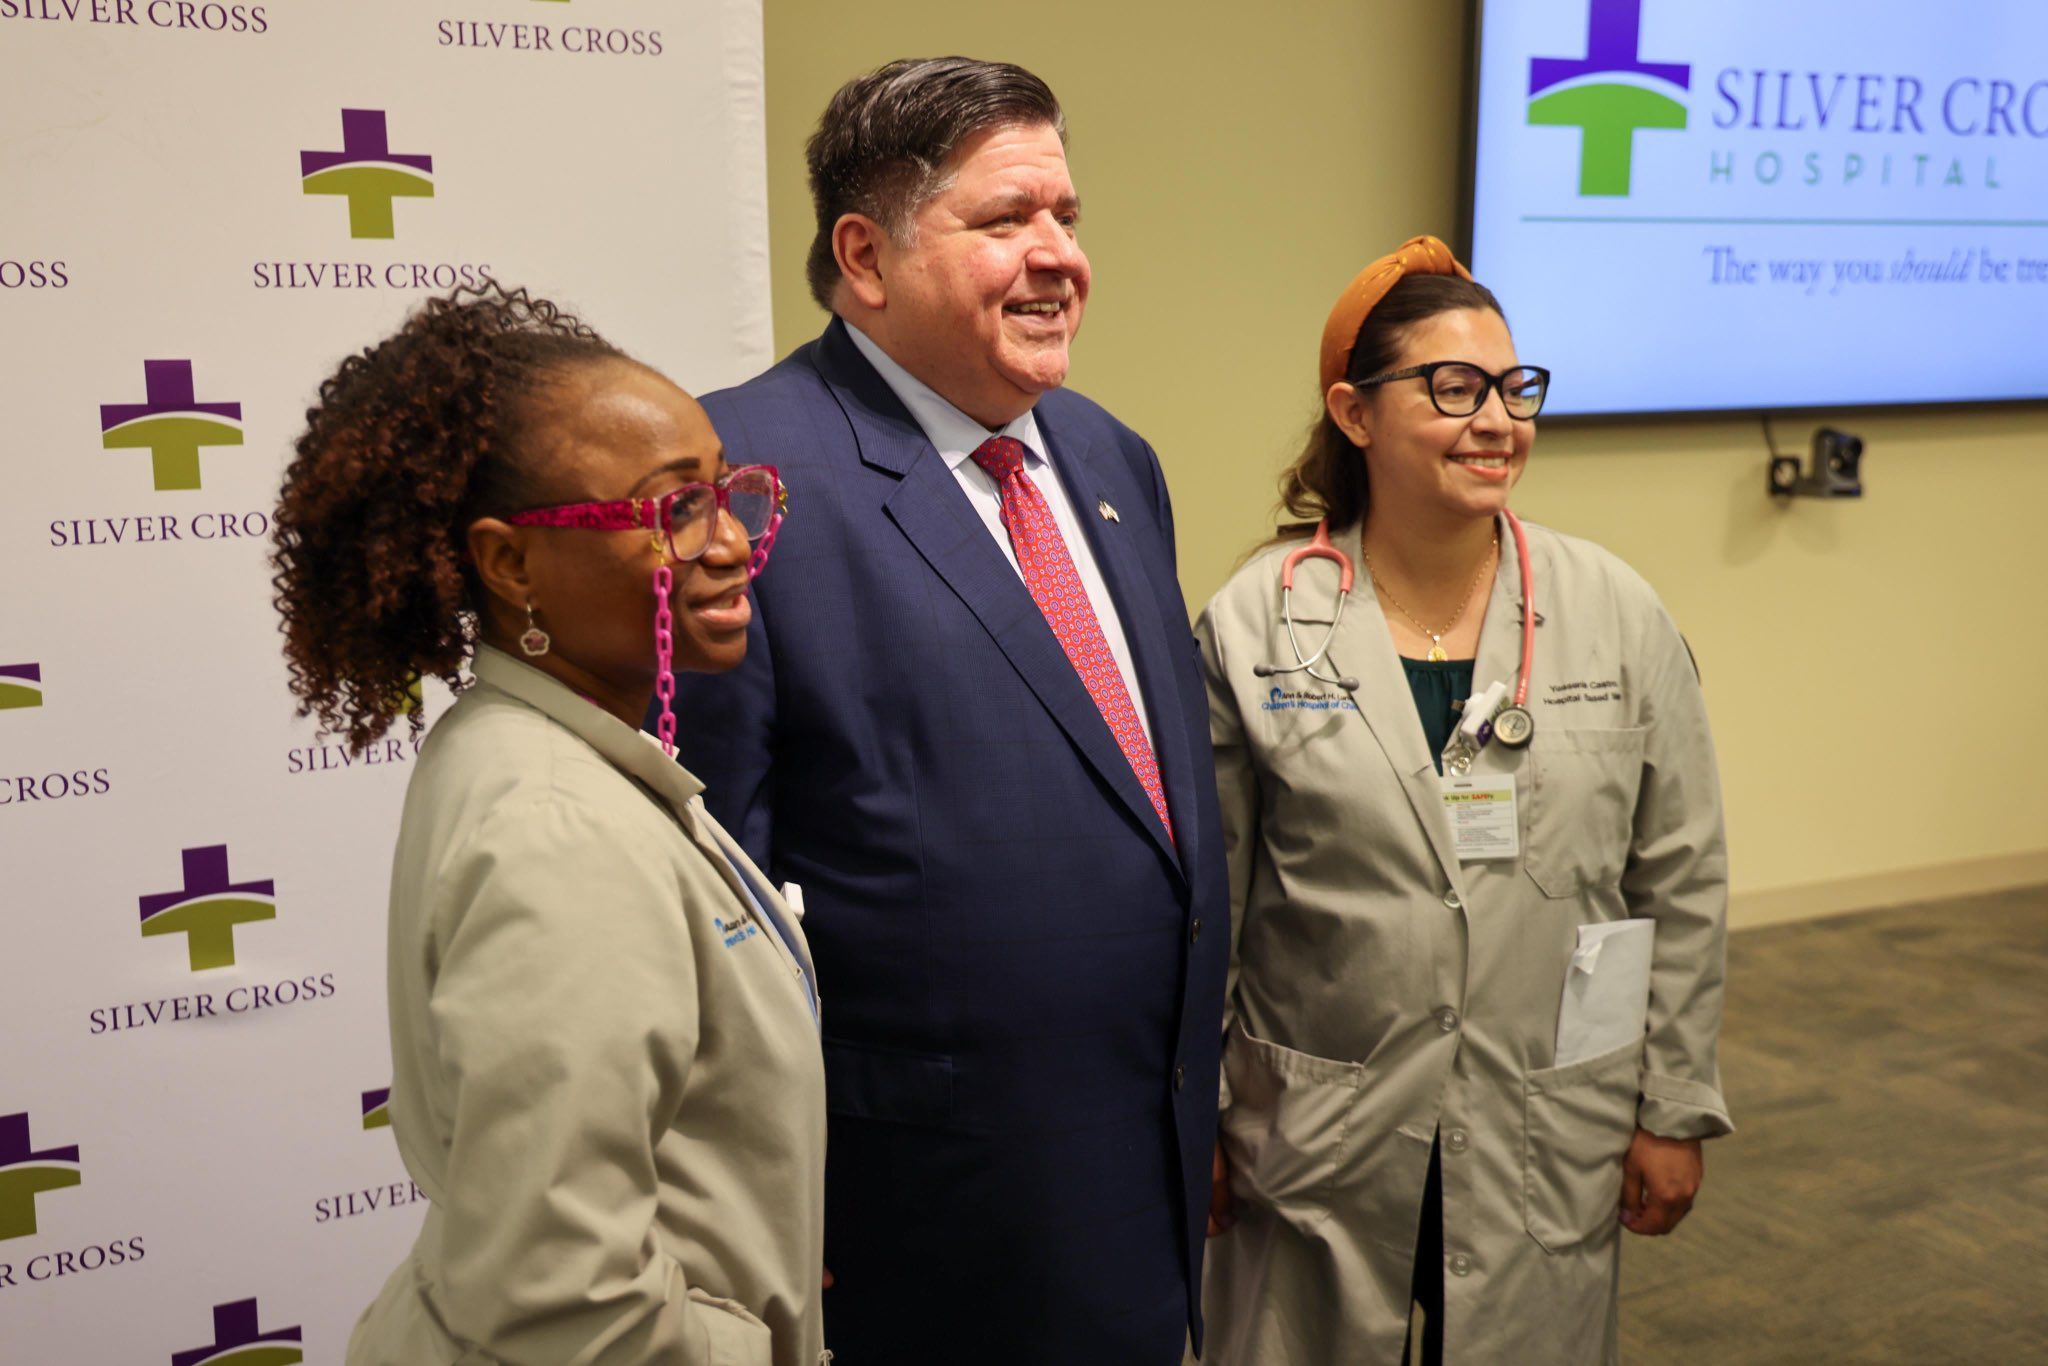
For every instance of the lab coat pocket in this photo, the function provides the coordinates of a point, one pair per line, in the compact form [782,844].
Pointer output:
[734,1335]
[1288,1122]
[1581,807]
[1576,1125]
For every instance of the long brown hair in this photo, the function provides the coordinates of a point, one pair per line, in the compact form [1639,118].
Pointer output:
[1327,480]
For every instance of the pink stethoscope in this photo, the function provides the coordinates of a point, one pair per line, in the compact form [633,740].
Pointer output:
[1512,725]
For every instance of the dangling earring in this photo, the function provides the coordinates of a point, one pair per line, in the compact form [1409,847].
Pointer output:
[535,642]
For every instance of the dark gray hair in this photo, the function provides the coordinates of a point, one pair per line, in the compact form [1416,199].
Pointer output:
[883,140]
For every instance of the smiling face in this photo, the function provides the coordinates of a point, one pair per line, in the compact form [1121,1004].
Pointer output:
[1425,466]
[603,432]
[984,299]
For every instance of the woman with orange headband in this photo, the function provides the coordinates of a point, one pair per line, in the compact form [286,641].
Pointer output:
[1477,873]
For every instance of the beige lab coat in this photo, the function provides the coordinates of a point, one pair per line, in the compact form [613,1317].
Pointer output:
[606,1070]
[1383,993]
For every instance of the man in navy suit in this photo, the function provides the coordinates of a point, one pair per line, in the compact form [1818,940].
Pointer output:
[972,728]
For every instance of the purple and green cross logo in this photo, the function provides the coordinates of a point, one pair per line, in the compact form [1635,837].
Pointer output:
[1607,112]
[170,424]
[377,1108]
[26,1173]
[237,1341]
[21,685]
[367,173]
[208,908]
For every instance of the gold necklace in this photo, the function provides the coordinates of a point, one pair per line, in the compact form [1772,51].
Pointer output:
[1437,653]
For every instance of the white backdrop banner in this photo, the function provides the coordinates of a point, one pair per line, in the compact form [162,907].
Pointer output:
[203,207]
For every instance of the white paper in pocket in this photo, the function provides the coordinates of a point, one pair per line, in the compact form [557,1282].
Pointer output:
[793,897]
[1607,991]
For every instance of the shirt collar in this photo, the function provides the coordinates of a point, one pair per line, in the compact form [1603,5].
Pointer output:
[952,433]
[633,752]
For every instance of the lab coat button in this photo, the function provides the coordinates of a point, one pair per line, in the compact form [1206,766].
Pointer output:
[1457,1140]
[1461,1265]
[1195,930]
[1180,1077]
[1447,1019]
[1451,900]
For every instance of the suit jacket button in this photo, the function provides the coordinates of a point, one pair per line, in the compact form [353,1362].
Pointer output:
[1180,1077]
[1195,930]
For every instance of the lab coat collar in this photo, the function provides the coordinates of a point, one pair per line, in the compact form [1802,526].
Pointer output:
[1499,656]
[1384,699]
[639,756]
[632,751]
[1363,649]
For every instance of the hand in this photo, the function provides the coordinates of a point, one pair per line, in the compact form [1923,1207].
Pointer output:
[1221,1220]
[1659,1179]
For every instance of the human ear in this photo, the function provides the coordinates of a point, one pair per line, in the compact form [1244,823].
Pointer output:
[857,242]
[497,551]
[1351,411]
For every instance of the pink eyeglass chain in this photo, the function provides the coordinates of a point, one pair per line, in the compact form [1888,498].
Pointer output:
[664,631]
[759,559]
[664,658]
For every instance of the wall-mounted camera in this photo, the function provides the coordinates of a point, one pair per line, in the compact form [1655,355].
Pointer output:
[1835,469]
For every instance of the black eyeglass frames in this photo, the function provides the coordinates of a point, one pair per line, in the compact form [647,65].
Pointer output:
[1459,388]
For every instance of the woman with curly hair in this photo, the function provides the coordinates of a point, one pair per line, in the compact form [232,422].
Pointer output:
[606,1074]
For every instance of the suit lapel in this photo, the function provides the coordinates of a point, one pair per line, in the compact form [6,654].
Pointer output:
[933,513]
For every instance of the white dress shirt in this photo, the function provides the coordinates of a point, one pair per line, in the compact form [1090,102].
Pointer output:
[956,437]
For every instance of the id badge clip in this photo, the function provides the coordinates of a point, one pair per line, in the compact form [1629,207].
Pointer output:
[1475,728]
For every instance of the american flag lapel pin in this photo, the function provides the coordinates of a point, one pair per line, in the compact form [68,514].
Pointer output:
[1108,513]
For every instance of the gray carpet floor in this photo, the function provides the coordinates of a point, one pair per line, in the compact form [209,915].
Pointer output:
[1885,1196]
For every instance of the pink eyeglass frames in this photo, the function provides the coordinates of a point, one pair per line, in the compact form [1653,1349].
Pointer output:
[686,520]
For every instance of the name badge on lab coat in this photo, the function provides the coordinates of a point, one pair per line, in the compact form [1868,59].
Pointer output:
[1482,813]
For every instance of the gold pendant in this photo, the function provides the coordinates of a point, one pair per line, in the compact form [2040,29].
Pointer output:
[1436,650]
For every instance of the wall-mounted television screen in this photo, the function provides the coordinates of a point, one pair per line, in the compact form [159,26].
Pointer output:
[1762,204]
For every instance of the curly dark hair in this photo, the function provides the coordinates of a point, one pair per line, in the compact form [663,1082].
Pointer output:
[411,441]
[1327,480]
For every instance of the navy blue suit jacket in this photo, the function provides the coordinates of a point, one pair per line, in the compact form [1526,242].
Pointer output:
[1022,975]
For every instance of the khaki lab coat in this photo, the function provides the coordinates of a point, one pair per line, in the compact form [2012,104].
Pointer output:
[1383,993]
[606,1070]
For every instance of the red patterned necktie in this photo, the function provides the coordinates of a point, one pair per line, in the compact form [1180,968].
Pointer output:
[1056,587]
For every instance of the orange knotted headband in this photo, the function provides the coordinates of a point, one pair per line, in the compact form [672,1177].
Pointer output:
[1416,256]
